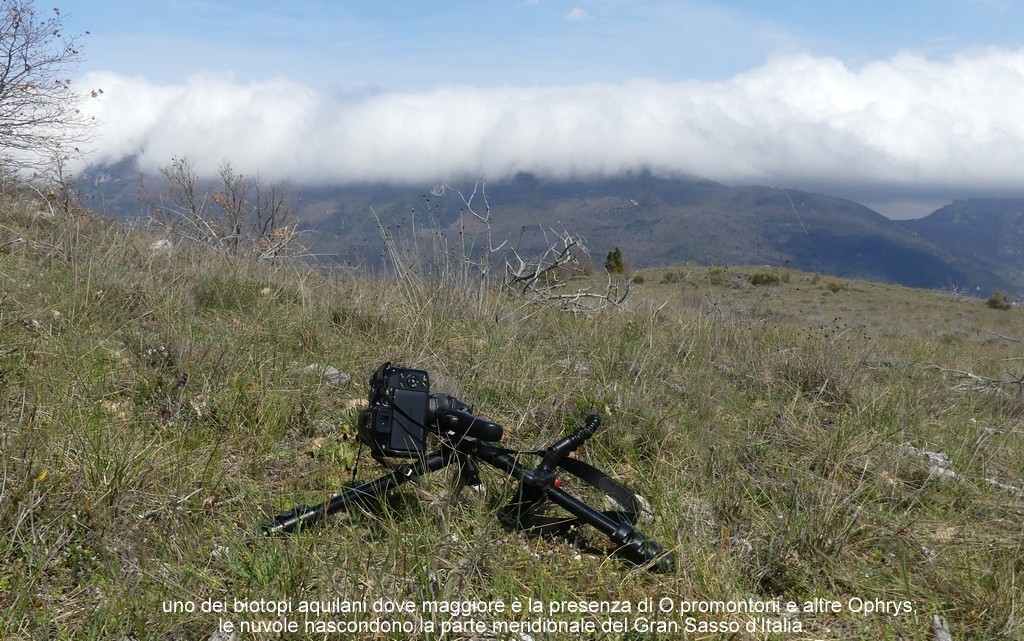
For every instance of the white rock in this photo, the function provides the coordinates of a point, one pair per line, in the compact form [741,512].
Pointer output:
[330,375]
[162,246]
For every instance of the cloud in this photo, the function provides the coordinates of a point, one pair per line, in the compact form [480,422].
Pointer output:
[577,14]
[907,122]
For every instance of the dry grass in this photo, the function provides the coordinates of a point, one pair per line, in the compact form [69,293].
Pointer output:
[154,410]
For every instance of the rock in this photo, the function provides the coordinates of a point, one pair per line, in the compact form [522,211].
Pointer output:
[162,247]
[568,367]
[940,629]
[938,467]
[329,374]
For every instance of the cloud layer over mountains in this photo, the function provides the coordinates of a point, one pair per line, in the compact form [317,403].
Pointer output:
[908,123]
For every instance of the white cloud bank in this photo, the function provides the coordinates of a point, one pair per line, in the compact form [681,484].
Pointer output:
[908,122]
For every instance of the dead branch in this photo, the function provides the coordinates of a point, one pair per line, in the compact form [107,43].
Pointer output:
[541,275]
[543,279]
[469,265]
[1009,339]
[976,381]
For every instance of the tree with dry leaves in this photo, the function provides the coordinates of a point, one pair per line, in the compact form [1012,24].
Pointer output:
[40,118]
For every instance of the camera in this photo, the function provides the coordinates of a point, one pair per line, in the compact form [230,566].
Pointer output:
[395,422]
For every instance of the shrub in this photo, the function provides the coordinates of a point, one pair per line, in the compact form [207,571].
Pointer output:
[718,275]
[763,278]
[613,263]
[999,300]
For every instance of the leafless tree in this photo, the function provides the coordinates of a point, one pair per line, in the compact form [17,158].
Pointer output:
[232,201]
[40,117]
[237,213]
[184,207]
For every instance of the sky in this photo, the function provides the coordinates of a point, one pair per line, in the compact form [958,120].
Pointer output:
[900,105]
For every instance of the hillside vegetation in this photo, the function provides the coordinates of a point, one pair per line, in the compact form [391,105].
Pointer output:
[982,231]
[800,438]
[656,221]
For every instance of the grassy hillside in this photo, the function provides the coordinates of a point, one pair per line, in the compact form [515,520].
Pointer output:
[805,438]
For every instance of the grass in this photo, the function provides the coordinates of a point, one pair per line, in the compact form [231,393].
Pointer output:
[155,410]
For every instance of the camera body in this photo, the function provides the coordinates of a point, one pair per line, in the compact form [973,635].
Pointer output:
[395,422]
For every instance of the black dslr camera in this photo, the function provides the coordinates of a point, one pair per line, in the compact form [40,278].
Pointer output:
[395,422]
[403,411]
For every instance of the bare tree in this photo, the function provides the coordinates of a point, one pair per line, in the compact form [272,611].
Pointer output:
[274,221]
[39,110]
[232,201]
[184,207]
[237,213]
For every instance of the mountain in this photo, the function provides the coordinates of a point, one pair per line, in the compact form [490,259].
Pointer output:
[987,232]
[653,220]
[659,221]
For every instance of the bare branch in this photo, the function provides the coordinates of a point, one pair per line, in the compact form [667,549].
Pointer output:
[226,218]
[975,382]
[543,279]
[1010,339]
[469,266]
[39,114]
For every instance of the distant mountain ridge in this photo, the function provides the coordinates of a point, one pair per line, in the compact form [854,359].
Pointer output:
[659,221]
[982,231]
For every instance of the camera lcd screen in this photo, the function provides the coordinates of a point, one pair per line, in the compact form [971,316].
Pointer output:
[407,429]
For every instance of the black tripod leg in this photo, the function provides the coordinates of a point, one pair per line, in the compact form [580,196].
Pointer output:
[633,544]
[520,512]
[365,494]
[469,473]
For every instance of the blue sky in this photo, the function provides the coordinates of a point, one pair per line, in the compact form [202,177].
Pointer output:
[415,45]
[902,105]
